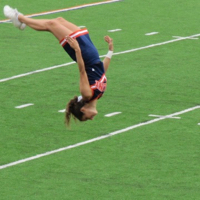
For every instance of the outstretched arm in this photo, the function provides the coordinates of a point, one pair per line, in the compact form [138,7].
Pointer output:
[85,89]
[107,59]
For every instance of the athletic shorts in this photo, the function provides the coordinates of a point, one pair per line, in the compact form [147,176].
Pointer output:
[89,52]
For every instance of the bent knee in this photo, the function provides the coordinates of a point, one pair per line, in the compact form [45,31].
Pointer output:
[51,23]
[60,19]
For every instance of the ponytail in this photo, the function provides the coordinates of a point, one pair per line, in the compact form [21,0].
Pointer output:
[73,109]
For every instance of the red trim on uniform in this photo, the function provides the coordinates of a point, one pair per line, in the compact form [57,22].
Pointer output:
[94,87]
[103,78]
[80,30]
[75,34]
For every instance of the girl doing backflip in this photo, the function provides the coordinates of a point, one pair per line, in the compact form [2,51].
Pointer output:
[77,43]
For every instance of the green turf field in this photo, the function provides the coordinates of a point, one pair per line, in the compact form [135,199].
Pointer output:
[133,156]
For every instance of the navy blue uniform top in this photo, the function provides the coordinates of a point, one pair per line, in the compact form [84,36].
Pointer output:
[93,65]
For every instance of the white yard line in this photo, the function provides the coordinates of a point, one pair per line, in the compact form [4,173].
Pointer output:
[35,72]
[117,53]
[152,115]
[191,38]
[98,138]
[114,30]
[62,111]
[112,114]
[152,33]
[24,106]
[158,44]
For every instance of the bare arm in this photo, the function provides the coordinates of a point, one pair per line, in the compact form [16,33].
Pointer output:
[107,60]
[85,89]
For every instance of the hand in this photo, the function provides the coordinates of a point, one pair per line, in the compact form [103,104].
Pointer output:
[73,43]
[109,40]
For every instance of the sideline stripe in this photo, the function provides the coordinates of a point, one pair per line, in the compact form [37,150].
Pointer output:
[65,9]
[117,53]
[98,138]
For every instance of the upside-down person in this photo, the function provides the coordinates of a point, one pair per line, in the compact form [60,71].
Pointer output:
[77,43]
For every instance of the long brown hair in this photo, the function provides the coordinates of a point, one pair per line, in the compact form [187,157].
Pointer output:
[74,109]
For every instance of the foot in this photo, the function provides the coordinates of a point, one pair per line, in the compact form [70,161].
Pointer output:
[12,14]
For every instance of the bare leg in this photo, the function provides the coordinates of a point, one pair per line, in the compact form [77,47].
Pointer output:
[58,27]
[68,24]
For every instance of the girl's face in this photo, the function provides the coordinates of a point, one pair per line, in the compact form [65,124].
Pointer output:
[88,114]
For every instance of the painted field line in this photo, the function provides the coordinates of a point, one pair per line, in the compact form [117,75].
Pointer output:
[112,114]
[97,138]
[152,33]
[25,105]
[114,30]
[151,115]
[158,44]
[36,71]
[191,38]
[62,111]
[117,53]
[66,9]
